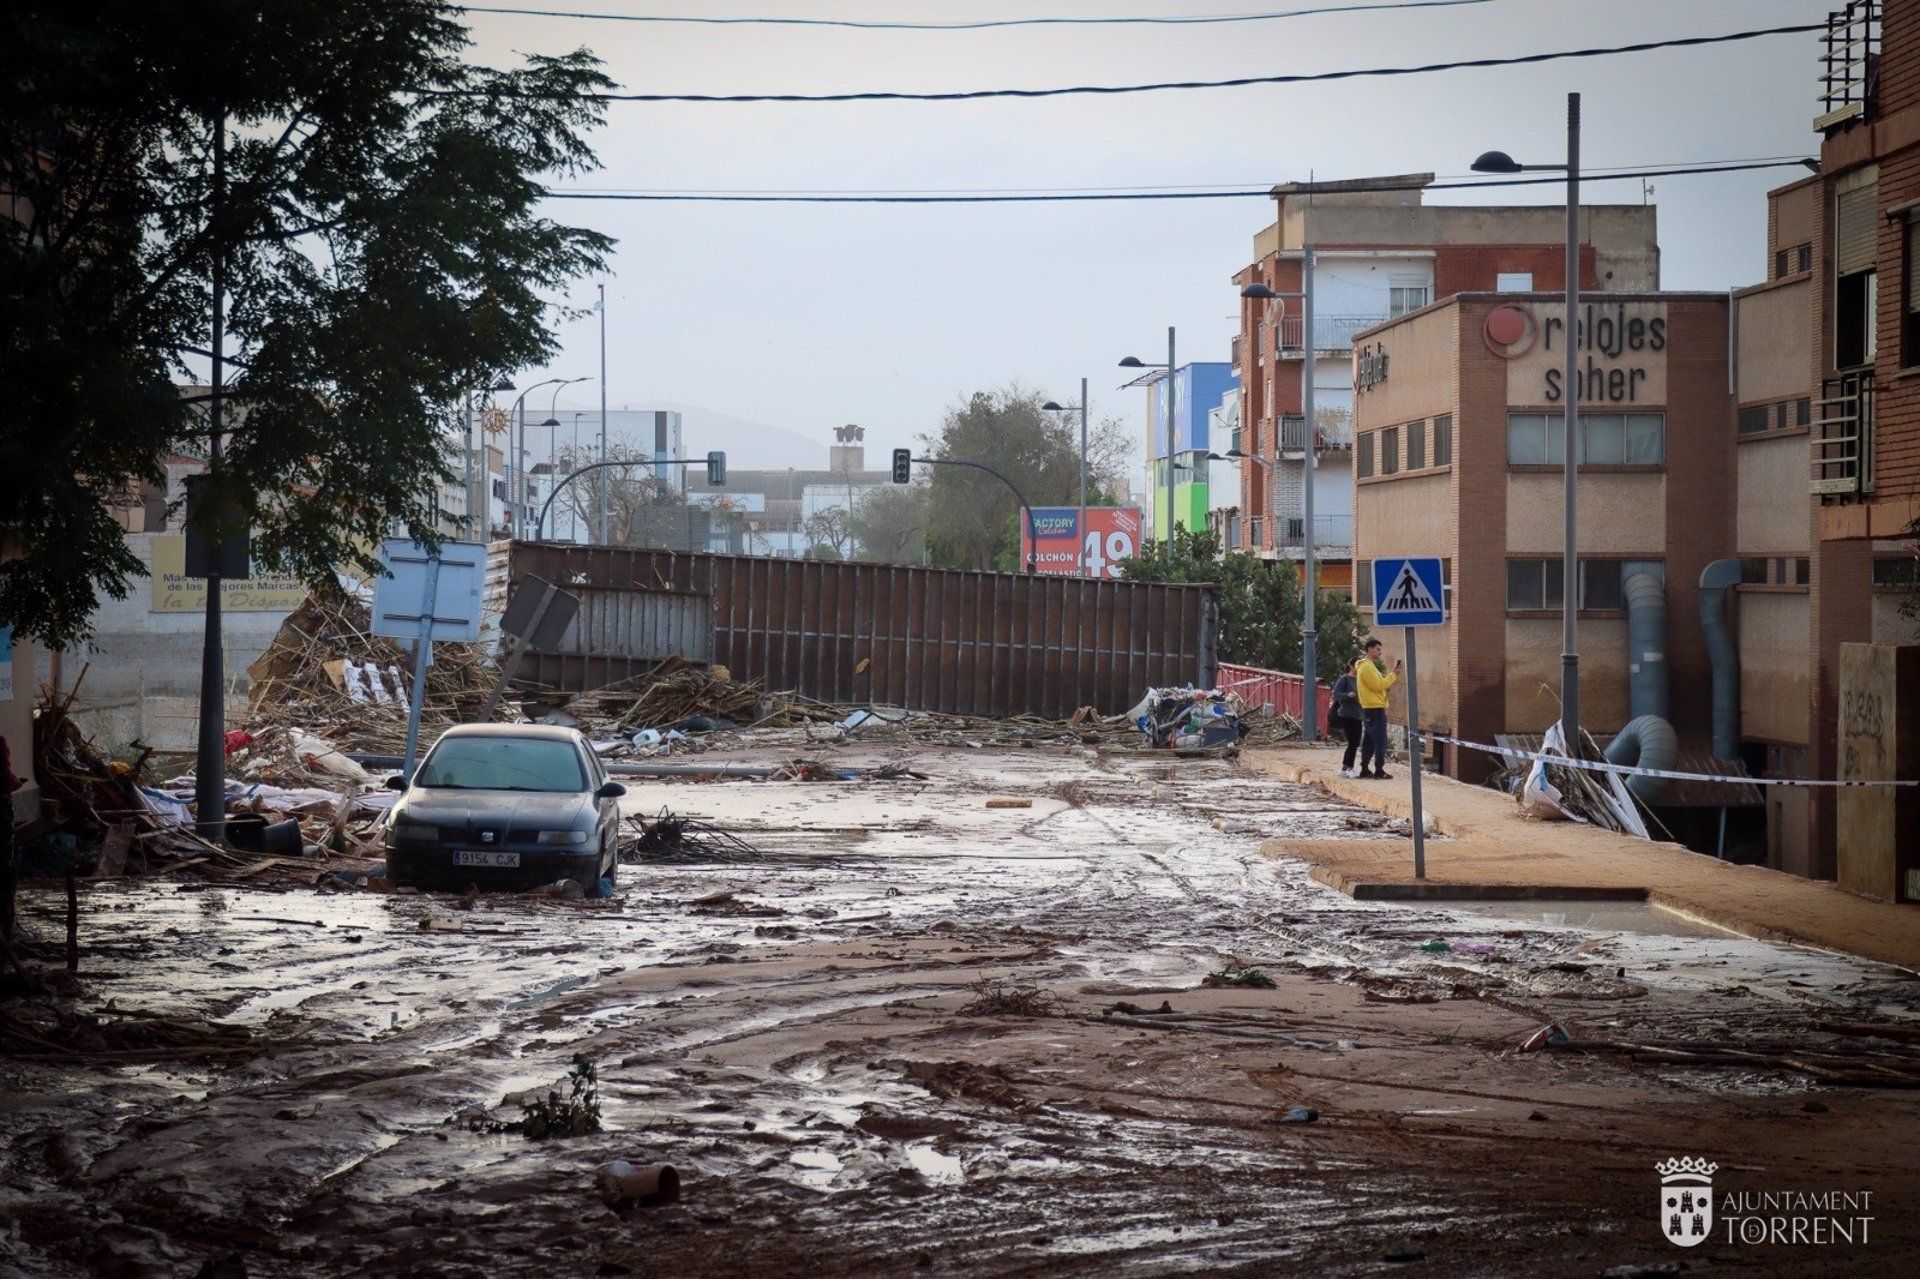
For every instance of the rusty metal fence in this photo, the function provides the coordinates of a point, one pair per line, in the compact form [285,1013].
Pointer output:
[929,639]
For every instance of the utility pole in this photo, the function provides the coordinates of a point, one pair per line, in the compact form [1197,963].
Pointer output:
[1171,521]
[210,760]
[1569,452]
[1309,639]
[601,306]
[1080,526]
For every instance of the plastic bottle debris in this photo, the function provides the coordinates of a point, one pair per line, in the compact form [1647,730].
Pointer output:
[647,737]
[1297,1115]
[1436,947]
[1551,1033]
[644,1184]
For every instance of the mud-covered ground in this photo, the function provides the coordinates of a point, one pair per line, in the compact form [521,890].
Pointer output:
[807,1051]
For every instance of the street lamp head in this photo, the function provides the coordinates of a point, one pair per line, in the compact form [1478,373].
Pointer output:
[1052,407]
[1497,162]
[552,421]
[1258,292]
[1132,362]
[502,385]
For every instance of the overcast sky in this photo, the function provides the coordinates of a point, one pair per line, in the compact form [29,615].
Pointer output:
[810,316]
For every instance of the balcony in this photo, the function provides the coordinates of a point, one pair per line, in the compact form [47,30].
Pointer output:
[1332,534]
[1336,432]
[1843,437]
[1332,334]
[1849,64]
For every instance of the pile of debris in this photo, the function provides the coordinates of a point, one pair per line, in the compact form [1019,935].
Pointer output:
[1189,720]
[104,817]
[679,693]
[326,672]
[1560,792]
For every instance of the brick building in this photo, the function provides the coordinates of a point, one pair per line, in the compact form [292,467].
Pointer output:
[1864,242]
[1379,253]
[1457,454]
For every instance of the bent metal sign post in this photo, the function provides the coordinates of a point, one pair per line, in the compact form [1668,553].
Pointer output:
[1620,351]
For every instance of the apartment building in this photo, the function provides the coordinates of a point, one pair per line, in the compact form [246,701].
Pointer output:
[1378,253]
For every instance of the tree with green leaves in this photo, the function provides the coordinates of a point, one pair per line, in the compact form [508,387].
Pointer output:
[1261,604]
[366,201]
[890,522]
[972,520]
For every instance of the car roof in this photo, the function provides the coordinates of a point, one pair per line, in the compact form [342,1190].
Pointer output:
[538,732]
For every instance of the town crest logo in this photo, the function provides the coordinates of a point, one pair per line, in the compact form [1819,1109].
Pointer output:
[1686,1199]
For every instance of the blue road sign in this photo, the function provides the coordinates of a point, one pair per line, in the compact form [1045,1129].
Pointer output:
[1408,592]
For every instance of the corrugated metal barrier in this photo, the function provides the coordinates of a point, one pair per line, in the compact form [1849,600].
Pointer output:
[930,639]
[1279,691]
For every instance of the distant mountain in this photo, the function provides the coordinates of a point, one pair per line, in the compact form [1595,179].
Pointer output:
[748,445]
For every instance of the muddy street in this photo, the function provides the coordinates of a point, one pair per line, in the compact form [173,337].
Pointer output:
[1048,1011]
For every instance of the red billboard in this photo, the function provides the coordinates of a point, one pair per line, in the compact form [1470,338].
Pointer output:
[1112,534]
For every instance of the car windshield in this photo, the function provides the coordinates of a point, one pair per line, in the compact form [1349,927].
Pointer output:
[503,763]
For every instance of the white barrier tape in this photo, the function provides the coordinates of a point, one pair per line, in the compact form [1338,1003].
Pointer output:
[1629,770]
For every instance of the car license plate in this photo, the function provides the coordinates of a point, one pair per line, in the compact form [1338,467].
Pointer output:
[470,858]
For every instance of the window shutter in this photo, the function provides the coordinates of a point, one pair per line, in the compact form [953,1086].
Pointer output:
[1854,228]
[1912,232]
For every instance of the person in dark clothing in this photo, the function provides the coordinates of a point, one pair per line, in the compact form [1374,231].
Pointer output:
[1344,712]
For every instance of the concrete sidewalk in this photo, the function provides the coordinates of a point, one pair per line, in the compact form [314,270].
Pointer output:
[1493,852]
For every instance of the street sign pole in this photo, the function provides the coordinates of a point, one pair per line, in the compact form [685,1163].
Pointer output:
[1412,593]
[422,657]
[1414,752]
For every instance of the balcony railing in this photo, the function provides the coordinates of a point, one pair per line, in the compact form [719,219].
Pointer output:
[1330,532]
[1849,63]
[1336,432]
[1330,332]
[1843,436]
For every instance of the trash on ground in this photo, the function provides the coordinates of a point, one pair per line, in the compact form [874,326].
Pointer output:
[1237,975]
[648,1185]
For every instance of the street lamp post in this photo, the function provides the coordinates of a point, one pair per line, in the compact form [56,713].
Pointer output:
[514,467]
[1080,527]
[1310,452]
[1134,362]
[1501,162]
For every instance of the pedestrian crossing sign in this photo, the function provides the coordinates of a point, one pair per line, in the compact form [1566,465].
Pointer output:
[1408,592]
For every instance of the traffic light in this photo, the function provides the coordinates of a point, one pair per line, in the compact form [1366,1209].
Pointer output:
[903,466]
[717,469]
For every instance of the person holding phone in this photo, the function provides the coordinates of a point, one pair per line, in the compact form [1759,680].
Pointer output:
[1372,679]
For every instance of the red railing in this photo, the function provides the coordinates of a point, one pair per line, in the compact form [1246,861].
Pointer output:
[1284,693]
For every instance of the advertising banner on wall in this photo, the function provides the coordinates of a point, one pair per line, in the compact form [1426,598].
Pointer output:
[175,592]
[1112,534]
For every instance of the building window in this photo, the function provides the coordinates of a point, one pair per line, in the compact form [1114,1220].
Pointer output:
[1856,287]
[1363,455]
[1606,439]
[1805,254]
[1803,412]
[1363,583]
[1910,303]
[1534,584]
[1802,571]
[1404,298]
[1416,446]
[1896,572]
[1443,440]
[1513,282]
[1603,583]
[1390,450]
[1780,261]
[1753,420]
[1534,439]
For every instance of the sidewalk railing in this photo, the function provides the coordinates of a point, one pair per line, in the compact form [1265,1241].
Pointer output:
[1285,694]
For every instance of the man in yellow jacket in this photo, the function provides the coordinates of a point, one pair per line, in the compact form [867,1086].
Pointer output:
[1373,679]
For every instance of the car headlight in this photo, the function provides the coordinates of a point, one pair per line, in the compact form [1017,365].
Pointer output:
[562,837]
[418,832]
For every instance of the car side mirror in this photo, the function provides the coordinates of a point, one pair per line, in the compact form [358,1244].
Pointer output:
[612,790]
[397,782]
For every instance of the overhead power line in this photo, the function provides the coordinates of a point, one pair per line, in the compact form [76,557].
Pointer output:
[1176,20]
[1058,197]
[1311,77]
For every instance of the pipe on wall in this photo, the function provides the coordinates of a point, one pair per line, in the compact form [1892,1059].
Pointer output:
[1647,741]
[1717,581]
[1647,645]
